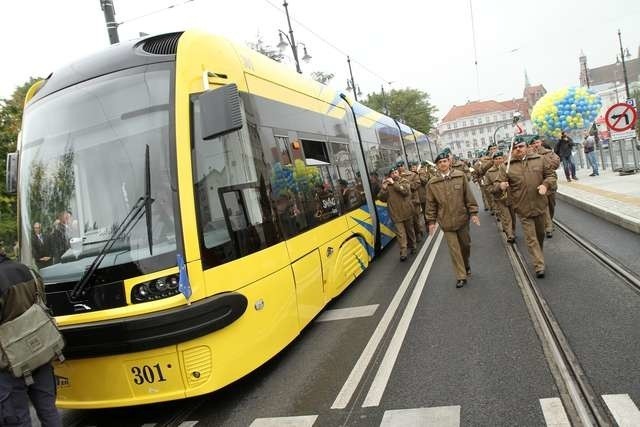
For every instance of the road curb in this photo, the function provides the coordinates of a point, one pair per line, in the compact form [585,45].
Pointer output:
[623,221]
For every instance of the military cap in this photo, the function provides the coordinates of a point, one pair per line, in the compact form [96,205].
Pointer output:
[446,150]
[518,139]
[493,144]
[498,154]
[441,155]
[425,163]
[399,163]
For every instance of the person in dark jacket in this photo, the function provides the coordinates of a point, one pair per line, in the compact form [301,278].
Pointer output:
[18,289]
[39,246]
[564,151]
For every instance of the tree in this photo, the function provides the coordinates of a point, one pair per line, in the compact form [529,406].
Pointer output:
[410,106]
[265,49]
[10,122]
[322,77]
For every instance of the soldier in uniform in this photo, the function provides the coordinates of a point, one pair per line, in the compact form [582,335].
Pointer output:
[535,145]
[459,165]
[529,177]
[480,168]
[396,191]
[425,174]
[414,181]
[500,198]
[451,204]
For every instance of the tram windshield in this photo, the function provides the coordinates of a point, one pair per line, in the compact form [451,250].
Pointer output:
[82,165]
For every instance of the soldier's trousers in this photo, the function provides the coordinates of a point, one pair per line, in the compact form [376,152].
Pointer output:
[406,235]
[459,243]
[487,198]
[503,212]
[548,216]
[418,225]
[423,206]
[533,228]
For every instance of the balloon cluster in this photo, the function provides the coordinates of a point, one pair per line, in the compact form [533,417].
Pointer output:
[294,178]
[565,109]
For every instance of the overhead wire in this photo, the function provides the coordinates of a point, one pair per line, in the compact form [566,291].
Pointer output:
[364,67]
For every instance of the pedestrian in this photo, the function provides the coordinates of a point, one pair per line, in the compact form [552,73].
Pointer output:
[564,150]
[18,288]
[529,177]
[396,191]
[589,146]
[451,204]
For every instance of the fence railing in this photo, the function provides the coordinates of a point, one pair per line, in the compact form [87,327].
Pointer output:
[619,156]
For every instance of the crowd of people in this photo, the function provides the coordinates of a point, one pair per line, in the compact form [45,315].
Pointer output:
[517,184]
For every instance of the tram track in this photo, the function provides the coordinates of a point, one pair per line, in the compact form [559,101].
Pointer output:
[631,278]
[583,406]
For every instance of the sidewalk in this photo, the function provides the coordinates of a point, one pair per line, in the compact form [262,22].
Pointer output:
[610,196]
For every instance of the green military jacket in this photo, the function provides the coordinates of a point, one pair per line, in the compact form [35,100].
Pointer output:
[398,198]
[524,177]
[450,201]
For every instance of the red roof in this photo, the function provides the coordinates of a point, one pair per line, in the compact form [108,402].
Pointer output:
[483,107]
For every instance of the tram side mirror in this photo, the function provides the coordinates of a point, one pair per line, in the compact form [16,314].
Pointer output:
[11,179]
[220,111]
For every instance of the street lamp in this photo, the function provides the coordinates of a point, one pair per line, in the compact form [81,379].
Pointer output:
[624,66]
[291,41]
[351,84]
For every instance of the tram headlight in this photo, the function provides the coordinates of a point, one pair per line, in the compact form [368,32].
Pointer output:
[163,287]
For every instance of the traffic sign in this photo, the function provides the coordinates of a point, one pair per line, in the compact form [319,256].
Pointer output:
[631,101]
[621,117]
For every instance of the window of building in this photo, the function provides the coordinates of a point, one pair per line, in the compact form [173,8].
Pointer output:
[464,123]
[455,125]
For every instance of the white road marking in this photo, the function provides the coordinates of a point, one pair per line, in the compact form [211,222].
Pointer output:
[624,411]
[302,421]
[442,416]
[554,413]
[349,387]
[384,370]
[188,423]
[149,425]
[348,313]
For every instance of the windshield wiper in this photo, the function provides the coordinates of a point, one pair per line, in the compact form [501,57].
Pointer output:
[142,206]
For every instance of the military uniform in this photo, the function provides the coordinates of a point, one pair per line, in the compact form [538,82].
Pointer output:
[450,203]
[479,169]
[500,199]
[424,175]
[554,161]
[414,184]
[524,176]
[398,198]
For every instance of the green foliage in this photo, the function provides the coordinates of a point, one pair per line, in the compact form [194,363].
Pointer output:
[10,122]
[410,106]
[322,77]
[266,50]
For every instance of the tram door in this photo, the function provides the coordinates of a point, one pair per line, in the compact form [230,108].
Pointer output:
[307,272]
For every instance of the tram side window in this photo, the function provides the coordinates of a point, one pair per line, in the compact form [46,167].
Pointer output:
[350,189]
[233,204]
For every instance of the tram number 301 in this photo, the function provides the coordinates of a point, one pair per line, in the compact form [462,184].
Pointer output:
[148,374]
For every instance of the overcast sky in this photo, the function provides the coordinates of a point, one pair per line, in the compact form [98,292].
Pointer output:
[426,45]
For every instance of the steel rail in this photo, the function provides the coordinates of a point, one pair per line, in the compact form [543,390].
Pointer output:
[582,403]
[632,279]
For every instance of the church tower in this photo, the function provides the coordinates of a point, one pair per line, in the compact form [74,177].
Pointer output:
[583,70]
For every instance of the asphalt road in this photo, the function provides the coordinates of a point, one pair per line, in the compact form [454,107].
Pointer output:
[465,356]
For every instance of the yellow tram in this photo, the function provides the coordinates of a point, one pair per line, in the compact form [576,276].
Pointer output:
[201,204]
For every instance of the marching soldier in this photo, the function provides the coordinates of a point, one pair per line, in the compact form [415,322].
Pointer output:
[396,191]
[536,146]
[451,204]
[416,185]
[529,177]
[504,214]
[425,174]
